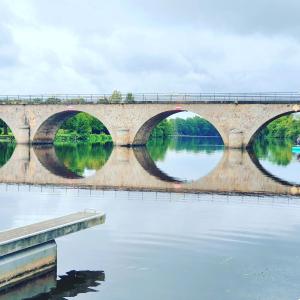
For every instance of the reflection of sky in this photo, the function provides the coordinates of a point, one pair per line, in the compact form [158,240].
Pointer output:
[189,166]
[88,172]
[289,173]
[183,115]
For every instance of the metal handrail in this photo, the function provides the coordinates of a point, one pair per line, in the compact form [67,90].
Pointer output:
[275,97]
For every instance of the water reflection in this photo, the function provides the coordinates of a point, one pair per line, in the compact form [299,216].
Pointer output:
[143,157]
[200,169]
[170,160]
[186,159]
[276,158]
[48,287]
[72,284]
[74,160]
[84,158]
[6,151]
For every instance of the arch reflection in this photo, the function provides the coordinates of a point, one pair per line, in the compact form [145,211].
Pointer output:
[186,159]
[275,159]
[6,151]
[143,157]
[129,169]
[73,161]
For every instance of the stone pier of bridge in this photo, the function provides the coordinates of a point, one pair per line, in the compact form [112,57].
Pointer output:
[131,124]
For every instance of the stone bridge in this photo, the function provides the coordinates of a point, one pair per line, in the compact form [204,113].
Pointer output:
[133,169]
[238,118]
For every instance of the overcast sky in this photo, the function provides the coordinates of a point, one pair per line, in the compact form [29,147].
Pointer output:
[92,46]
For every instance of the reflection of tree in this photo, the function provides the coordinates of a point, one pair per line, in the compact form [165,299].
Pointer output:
[6,151]
[277,151]
[196,144]
[158,147]
[73,284]
[78,157]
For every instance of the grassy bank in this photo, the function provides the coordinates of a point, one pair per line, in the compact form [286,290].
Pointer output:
[7,138]
[66,137]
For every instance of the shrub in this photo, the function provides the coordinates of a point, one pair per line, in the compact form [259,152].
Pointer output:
[75,101]
[103,100]
[53,100]
[129,98]
[116,97]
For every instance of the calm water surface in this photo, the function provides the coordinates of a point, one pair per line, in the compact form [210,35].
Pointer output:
[157,245]
[186,159]
[277,158]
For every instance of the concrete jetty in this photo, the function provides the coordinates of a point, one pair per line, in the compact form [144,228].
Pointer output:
[31,250]
[28,236]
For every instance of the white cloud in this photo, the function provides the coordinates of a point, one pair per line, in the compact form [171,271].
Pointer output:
[158,46]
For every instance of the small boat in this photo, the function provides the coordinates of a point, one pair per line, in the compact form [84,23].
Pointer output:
[296,149]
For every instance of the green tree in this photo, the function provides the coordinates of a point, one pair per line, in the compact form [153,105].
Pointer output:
[83,127]
[286,127]
[194,126]
[116,97]
[4,127]
[129,98]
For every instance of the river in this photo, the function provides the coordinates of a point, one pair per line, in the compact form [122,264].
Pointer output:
[187,219]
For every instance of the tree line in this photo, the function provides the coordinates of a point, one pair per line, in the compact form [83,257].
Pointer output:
[82,128]
[193,126]
[286,127]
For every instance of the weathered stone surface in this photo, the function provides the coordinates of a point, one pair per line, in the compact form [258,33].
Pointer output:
[131,124]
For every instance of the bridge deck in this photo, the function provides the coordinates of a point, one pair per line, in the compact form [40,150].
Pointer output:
[28,236]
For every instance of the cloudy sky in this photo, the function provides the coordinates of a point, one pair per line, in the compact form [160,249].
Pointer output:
[95,46]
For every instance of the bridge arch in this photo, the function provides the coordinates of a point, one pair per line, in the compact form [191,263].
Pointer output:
[143,133]
[46,131]
[252,134]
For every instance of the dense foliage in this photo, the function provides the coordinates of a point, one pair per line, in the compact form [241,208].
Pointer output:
[194,126]
[286,127]
[274,142]
[82,127]
[5,130]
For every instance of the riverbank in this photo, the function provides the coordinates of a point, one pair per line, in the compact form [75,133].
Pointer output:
[7,138]
[67,138]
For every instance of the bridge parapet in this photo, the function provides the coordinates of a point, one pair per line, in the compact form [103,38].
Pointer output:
[276,97]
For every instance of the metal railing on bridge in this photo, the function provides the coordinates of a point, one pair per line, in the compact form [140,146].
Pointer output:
[266,97]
